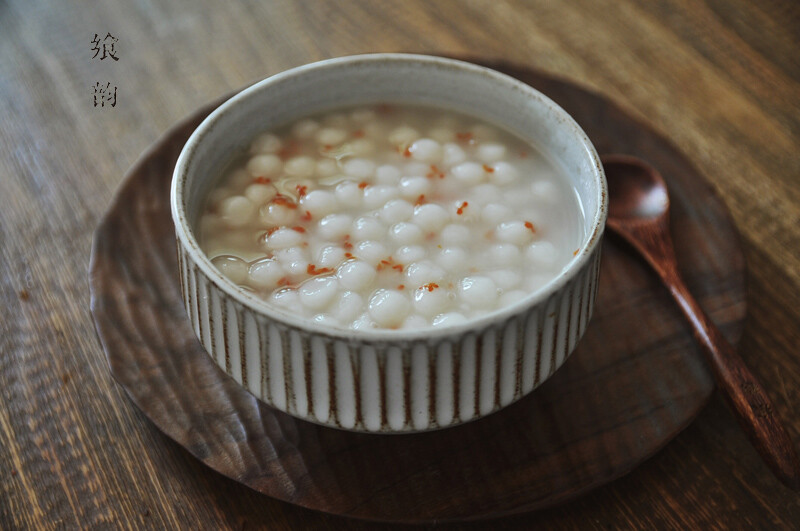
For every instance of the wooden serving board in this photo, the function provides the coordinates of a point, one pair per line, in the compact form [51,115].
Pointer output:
[635,381]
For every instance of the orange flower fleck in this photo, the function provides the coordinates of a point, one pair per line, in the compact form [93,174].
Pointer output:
[465,137]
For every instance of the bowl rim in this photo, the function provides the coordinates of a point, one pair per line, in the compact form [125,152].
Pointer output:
[383,335]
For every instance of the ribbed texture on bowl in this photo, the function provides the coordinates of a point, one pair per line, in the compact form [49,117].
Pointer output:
[397,386]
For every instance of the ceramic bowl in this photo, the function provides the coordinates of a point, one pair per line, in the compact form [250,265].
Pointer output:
[381,380]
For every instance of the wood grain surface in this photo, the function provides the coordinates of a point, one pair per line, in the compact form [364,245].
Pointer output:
[719,78]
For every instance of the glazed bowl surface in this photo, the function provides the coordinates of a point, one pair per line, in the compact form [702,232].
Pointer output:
[383,380]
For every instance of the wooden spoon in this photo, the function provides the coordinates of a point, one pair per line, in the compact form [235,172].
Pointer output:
[639,212]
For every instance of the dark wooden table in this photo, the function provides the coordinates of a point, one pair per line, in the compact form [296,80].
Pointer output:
[719,78]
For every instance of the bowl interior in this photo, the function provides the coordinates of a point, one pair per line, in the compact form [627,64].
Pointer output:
[399,78]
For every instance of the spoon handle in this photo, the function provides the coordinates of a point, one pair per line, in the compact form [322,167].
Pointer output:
[752,406]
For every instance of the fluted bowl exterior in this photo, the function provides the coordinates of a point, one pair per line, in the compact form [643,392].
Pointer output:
[388,381]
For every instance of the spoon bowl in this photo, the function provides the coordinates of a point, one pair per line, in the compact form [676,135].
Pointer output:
[637,189]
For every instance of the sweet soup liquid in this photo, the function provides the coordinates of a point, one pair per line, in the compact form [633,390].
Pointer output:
[391,216]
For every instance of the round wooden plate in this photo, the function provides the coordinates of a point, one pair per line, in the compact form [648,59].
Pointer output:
[635,381]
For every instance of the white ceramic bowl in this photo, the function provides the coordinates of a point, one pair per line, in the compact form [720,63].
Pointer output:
[387,380]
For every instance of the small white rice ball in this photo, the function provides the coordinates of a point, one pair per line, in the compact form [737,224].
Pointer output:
[265,273]
[331,136]
[363,322]
[452,154]
[376,196]
[260,193]
[387,174]
[542,254]
[330,256]
[514,232]
[273,214]
[237,210]
[403,136]
[416,168]
[453,259]
[449,319]
[486,193]
[405,233]
[396,210]
[319,203]
[368,228]
[334,226]
[478,291]
[292,254]
[326,320]
[414,186]
[442,134]
[371,251]
[496,213]
[348,194]
[469,173]
[491,152]
[424,272]
[431,217]
[294,260]
[302,166]
[266,165]
[426,150]
[318,292]
[305,129]
[510,297]
[355,274]
[347,306]
[232,267]
[388,308]
[284,238]
[430,302]
[360,147]
[504,173]
[266,143]
[504,254]
[327,168]
[359,168]
[409,253]
[505,279]
[286,298]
